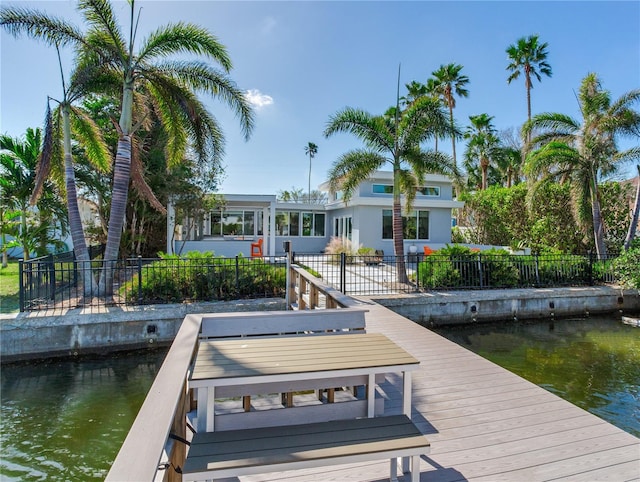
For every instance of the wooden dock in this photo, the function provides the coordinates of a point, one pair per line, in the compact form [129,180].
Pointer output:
[486,424]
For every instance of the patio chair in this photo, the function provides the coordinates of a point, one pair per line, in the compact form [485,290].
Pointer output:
[427,250]
[256,248]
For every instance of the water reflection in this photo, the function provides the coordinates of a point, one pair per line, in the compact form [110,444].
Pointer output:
[66,419]
[594,363]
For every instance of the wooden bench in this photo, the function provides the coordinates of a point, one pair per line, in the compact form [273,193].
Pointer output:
[263,450]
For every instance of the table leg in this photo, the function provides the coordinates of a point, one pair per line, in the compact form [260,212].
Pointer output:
[202,409]
[211,398]
[371,396]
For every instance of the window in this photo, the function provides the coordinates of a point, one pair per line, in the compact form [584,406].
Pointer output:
[429,191]
[312,224]
[287,223]
[421,191]
[414,226]
[232,223]
[382,189]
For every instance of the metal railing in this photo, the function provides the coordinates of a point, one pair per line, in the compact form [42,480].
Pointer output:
[56,282]
[376,274]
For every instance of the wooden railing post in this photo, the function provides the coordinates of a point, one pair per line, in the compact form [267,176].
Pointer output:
[179,427]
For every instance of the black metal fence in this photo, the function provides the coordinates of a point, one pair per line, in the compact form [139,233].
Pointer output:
[61,282]
[57,281]
[375,274]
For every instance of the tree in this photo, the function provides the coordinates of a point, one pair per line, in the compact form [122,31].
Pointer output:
[167,88]
[483,145]
[582,151]
[391,139]
[296,195]
[311,150]
[528,55]
[633,224]
[38,227]
[449,82]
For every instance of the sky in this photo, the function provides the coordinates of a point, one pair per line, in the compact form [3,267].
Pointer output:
[300,62]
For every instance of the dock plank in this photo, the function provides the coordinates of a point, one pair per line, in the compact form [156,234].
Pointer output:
[485,423]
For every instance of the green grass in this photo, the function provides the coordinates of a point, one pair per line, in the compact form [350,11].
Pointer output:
[9,296]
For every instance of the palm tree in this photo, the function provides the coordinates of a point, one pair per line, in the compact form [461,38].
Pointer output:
[19,161]
[528,55]
[483,145]
[311,150]
[635,213]
[451,83]
[583,151]
[154,84]
[393,139]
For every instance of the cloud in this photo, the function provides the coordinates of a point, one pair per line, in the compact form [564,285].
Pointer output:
[268,24]
[257,98]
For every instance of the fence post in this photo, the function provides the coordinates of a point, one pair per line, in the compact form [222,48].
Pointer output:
[343,272]
[52,277]
[417,271]
[139,279]
[535,259]
[480,271]
[21,284]
[590,269]
[237,275]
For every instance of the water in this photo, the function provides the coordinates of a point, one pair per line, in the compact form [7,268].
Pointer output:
[66,419]
[593,363]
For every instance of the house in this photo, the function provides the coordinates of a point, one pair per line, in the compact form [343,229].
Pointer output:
[365,220]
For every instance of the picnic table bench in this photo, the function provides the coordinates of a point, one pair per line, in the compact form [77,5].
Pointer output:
[272,449]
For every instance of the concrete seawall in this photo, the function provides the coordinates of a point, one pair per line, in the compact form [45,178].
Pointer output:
[455,307]
[75,332]
[27,336]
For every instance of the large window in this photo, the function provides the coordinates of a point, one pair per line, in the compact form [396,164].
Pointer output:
[313,224]
[233,223]
[287,223]
[414,226]
[432,191]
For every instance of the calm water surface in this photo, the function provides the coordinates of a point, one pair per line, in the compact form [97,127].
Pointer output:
[594,363]
[65,420]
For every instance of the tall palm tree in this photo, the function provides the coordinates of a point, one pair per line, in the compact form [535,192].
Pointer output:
[528,55]
[311,150]
[392,139]
[483,145]
[583,151]
[153,83]
[449,82]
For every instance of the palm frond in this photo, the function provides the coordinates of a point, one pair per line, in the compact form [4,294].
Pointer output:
[99,15]
[203,78]
[140,183]
[182,38]
[351,169]
[90,137]
[44,161]
[373,131]
[33,23]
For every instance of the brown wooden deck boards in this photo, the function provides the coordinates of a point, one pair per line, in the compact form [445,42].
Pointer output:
[486,424]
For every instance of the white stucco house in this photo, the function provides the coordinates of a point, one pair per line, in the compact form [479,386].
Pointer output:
[365,220]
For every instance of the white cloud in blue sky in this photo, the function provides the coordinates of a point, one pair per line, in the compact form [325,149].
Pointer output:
[268,24]
[258,99]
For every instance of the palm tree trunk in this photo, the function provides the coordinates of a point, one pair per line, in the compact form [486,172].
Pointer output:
[633,225]
[484,166]
[121,175]
[398,237]
[598,228]
[75,221]
[453,138]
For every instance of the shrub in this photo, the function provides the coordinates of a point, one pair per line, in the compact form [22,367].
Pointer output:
[203,277]
[627,267]
[338,246]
